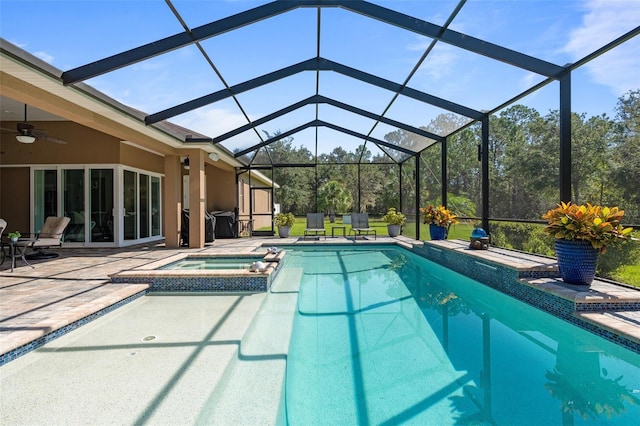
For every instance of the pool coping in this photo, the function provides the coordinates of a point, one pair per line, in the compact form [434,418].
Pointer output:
[268,257]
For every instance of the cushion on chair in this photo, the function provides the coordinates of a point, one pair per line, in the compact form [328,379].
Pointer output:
[53,228]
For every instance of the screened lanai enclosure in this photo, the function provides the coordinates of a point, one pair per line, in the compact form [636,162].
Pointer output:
[400,104]
[497,110]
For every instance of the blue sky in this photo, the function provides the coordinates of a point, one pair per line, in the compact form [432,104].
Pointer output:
[68,34]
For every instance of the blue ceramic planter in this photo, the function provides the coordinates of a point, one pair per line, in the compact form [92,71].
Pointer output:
[437,232]
[577,261]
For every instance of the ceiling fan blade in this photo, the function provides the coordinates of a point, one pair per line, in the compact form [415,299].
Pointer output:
[5,130]
[52,139]
[22,127]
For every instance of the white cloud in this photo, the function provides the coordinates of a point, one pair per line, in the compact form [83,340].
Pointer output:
[604,21]
[439,61]
[529,80]
[214,122]
[150,65]
[420,44]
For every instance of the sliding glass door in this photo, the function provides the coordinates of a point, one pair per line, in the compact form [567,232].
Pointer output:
[73,205]
[142,205]
[87,196]
[130,197]
[45,196]
[155,207]
[102,205]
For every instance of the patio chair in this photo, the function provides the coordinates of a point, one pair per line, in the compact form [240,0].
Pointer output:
[49,236]
[315,225]
[360,225]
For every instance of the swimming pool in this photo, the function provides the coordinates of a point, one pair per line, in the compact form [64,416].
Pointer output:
[383,336]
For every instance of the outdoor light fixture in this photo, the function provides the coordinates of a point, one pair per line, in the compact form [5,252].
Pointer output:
[214,156]
[25,139]
[185,163]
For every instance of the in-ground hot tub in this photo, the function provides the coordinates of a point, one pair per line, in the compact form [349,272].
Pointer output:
[214,262]
[205,272]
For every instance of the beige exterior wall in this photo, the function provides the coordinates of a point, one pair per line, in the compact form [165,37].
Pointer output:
[261,203]
[221,194]
[84,146]
[14,198]
[140,159]
[243,197]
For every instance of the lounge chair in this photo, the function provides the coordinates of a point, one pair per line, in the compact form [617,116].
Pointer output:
[315,225]
[49,236]
[360,225]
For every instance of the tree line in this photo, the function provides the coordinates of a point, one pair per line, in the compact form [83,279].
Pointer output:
[523,167]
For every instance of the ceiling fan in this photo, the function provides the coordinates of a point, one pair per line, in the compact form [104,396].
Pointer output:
[27,133]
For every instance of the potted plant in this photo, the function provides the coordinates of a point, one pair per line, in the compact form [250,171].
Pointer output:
[439,220]
[13,236]
[394,220]
[284,222]
[581,233]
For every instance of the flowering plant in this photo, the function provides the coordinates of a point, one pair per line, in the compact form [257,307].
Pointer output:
[598,225]
[394,217]
[438,216]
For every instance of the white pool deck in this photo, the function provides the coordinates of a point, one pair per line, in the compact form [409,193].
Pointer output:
[249,344]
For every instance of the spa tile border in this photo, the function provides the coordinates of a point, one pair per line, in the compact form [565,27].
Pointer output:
[222,280]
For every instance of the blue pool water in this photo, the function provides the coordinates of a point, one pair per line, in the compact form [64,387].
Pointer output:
[385,337]
[213,262]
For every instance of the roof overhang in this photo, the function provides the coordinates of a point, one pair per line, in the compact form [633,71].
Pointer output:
[28,79]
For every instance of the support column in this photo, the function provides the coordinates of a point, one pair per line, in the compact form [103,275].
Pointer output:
[417,184]
[359,186]
[484,156]
[172,202]
[196,199]
[443,173]
[400,206]
[565,138]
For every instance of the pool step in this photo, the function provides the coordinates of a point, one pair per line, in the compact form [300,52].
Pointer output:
[84,306]
[260,364]
[288,280]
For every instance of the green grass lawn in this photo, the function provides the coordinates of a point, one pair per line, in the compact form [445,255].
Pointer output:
[459,231]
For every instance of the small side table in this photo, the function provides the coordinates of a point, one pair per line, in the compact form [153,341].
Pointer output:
[343,228]
[18,248]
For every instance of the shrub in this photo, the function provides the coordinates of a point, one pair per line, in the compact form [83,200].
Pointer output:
[285,219]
